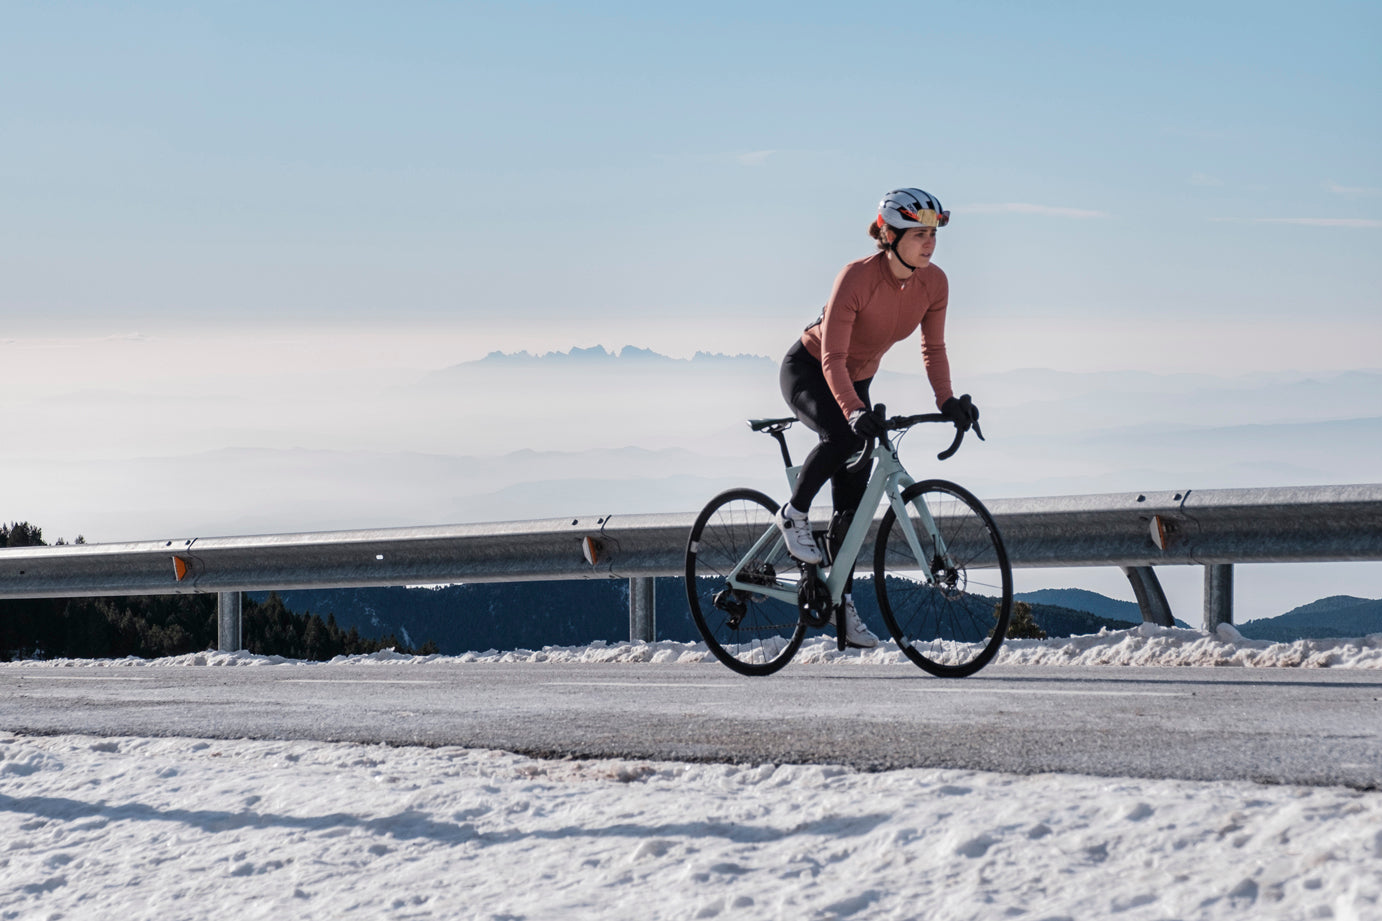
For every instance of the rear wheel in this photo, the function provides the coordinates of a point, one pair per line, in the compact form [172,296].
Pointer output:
[751,632]
[949,613]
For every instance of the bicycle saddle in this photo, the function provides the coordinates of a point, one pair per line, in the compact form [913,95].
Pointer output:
[771,425]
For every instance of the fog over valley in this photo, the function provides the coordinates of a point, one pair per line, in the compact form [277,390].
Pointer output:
[625,431]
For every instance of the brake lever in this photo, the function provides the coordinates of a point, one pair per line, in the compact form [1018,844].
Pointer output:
[977,431]
[954,445]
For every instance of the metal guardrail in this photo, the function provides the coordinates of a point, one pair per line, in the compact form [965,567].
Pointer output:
[641,545]
[1303,524]
[1135,531]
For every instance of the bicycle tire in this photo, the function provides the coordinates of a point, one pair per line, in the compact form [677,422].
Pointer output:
[947,627]
[752,634]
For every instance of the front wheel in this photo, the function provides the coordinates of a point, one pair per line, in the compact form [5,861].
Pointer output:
[947,604]
[753,632]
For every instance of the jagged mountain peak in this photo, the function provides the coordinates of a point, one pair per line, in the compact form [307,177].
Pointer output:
[601,354]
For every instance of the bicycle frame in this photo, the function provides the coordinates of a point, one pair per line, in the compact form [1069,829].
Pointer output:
[889,478]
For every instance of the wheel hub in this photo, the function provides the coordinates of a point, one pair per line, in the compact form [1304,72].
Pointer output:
[951,581]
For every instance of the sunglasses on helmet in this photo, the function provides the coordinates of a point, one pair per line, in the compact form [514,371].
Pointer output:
[926,217]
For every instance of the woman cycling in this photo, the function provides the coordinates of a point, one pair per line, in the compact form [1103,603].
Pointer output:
[825,376]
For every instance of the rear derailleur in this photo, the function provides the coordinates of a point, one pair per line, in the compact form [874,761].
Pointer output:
[735,601]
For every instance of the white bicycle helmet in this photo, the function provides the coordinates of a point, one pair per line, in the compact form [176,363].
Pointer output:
[905,208]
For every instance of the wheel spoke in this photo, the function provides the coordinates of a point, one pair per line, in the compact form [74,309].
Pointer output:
[751,632]
[945,622]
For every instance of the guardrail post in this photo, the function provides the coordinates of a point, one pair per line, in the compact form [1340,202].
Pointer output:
[1150,598]
[1218,595]
[229,635]
[642,610]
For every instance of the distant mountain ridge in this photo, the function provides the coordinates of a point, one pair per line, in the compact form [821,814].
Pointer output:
[1335,616]
[599,354]
[1332,604]
[1079,599]
[530,615]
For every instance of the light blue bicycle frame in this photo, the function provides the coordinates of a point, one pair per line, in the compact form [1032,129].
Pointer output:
[890,478]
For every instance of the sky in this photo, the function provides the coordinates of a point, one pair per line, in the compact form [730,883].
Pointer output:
[524,174]
[232,226]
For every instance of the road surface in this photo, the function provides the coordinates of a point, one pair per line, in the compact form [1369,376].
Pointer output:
[1308,726]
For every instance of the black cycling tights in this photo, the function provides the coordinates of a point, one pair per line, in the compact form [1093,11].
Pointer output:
[805,390]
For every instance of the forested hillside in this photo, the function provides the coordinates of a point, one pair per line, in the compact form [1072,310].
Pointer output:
[530,615]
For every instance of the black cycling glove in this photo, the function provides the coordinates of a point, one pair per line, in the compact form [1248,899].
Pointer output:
[866,423]
[961,411]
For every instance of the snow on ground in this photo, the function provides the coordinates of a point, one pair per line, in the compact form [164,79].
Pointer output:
[195,829]
[188,829]
[1146,644]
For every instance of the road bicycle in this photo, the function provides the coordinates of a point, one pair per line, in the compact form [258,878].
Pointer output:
[940,571]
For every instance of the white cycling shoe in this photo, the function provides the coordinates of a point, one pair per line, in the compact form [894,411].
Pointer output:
[857,636]
[796,532]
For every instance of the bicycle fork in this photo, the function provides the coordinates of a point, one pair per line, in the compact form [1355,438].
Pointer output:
[937,565]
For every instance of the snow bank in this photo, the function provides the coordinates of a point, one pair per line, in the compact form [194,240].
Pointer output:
[1143,645]
[187,829]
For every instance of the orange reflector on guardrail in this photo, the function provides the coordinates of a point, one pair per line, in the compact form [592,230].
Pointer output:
[591,548]
[1160,532]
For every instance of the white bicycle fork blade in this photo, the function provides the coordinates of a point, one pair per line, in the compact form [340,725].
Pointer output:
[909,531]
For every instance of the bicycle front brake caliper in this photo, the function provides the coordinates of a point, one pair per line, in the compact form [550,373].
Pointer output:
[944,576]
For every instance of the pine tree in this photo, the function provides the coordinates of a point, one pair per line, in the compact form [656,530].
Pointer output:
[21,534]
[1022,625]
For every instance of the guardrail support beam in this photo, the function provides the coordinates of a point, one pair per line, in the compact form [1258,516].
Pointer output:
[229,634]
[1150,598]
[1218,595]
[642,610]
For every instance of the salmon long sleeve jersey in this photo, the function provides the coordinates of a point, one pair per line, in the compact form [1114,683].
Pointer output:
[869,310]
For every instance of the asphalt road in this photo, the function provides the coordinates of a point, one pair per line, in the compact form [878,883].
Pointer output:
[1271,725]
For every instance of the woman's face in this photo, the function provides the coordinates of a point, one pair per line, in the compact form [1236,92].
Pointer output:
[916,246]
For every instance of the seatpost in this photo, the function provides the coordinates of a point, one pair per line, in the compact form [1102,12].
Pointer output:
[782,443]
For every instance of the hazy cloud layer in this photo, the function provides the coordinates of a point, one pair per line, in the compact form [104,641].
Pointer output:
[587,431]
